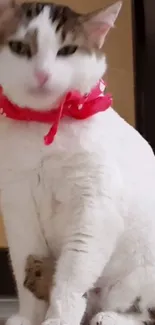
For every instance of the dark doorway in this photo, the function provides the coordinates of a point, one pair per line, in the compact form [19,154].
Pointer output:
[144,55]
[7,284]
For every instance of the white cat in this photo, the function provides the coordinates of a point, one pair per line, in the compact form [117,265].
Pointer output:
[90,195]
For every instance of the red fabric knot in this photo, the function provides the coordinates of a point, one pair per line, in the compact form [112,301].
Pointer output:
[73,105]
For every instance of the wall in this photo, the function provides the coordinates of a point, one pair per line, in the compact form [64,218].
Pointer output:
[118,48]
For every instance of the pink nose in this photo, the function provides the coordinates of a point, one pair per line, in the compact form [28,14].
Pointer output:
[42,77]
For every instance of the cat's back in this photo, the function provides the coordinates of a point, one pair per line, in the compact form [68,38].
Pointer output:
[130,151]
[134,159]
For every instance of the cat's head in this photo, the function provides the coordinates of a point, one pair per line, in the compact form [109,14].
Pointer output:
[47,49]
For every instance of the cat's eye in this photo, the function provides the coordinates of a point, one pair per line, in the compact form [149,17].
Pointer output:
[20,48]
[67,50]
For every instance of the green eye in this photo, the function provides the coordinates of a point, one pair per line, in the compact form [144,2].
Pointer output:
[67,50]
[20,48]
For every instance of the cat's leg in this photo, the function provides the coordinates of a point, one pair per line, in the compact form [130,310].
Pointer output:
[113,318]
[90,241]
[134,292]
[24,238]
[133,297]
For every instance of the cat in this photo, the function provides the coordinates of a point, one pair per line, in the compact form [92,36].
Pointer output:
[88,196]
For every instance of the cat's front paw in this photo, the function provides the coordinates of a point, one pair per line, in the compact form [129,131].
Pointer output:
[105,318]
[18,320]
[66,311]
[53,321]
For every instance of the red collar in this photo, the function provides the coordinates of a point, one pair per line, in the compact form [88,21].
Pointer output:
[74,105]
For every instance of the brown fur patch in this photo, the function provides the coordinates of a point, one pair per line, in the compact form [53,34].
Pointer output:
[31,39]
[39,275]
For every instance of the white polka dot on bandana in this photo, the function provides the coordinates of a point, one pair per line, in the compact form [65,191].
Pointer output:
[80,107]
[2,112]
[102,86]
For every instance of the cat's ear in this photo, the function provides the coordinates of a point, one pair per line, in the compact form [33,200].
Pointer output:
[10,15]
[6,3]
[97,24]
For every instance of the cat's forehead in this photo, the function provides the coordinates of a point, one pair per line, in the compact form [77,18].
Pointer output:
[38,26]
[46,19]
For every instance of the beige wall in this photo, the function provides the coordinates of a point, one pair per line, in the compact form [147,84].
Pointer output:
[119,53]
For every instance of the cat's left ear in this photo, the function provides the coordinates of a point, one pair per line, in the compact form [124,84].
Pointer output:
[10,16]
[4,4]
[97,24]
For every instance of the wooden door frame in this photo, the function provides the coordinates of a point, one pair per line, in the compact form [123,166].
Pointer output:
[144,71]
[144,67]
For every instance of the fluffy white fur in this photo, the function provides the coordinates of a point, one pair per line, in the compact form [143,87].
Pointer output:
[89,197]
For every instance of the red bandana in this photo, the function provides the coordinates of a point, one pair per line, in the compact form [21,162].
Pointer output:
[74,105]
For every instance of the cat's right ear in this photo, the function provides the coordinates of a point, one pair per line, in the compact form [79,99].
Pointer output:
[96,25]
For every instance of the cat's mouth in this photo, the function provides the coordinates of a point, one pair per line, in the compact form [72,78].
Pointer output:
[39,91]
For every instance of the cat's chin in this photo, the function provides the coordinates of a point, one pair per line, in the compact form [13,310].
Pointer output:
[40,102]
[36,99]
[39,91]
[43,98]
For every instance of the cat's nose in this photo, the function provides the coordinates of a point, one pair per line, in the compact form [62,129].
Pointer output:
[42,77]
